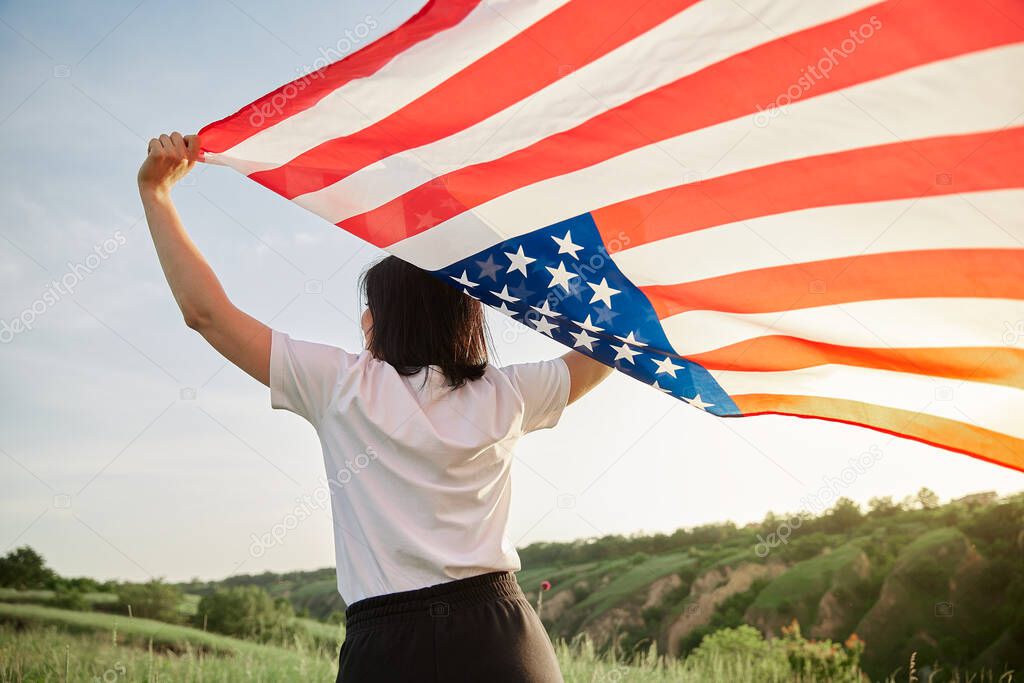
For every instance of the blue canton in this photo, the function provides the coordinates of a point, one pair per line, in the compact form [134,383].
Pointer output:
[561,282]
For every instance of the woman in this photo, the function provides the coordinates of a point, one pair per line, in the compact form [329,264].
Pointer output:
[417,433]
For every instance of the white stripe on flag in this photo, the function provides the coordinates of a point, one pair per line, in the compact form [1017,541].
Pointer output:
[656,58]
[963,95]
[411,74]
[894,323]
[990,406]
[980,220]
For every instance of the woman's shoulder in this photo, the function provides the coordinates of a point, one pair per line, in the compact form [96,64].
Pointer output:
[534,371]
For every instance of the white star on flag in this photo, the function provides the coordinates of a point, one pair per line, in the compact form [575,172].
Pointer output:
[630,339]
[519,261]
[544,326]
[666,366]
[660,388]
[506,310]
[560,276]
[602,292]
[587,325]
[583,339]
[565,245]
[464,280]
[695,401]
[505,296]
[624,352]
[545,309]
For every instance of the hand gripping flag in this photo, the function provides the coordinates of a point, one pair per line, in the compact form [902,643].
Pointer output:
[756,206]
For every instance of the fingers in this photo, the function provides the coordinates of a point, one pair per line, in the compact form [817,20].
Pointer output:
[178,142]
[175,145]
[158,146]
[192,147]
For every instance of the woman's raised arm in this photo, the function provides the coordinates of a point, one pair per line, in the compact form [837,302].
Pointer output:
[240,338]
[585,373]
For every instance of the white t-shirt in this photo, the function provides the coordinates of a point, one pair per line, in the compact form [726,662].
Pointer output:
[419,477]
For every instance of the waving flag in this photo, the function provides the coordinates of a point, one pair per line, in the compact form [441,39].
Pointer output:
[756,206]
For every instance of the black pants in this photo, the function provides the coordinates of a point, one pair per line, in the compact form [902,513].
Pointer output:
[480,629]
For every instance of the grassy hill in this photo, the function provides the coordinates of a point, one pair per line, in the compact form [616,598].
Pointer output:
[807,592]
[941,583]
[40,643]
[885,575]
[160,634]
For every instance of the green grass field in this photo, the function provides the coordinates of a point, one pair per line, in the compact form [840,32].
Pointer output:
[635,578]
[73,650]
[804,583]
[41,597]
[43,643]
[560,577]
[124,629]
[51,653]
[39,643]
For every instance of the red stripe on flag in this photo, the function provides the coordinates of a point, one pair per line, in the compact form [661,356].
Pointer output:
[777,353]
[915,32]
[927,167]
[979,273]
[570,37]
[961,437]
[303,93]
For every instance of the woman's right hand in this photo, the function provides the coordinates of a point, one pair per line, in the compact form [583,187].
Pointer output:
[170,158]
[240,338]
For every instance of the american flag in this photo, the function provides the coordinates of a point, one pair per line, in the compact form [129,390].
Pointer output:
[756,206]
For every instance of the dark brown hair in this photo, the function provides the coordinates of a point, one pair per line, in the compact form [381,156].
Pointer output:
[419,320]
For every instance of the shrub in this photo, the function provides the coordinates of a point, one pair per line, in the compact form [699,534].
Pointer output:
[807,546]
[822,660]
[638,559]
[730,643]
[152,600]
[247,612]
[70,598]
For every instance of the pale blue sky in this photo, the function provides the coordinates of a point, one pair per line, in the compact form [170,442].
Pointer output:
[111,468]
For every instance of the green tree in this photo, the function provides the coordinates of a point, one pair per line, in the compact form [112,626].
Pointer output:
[928,499]
[23,568]
[997,528]
[152,600]
[246,612]
[70,598]
[883,506]
[844,516]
